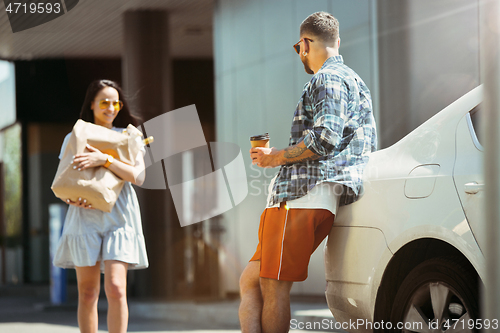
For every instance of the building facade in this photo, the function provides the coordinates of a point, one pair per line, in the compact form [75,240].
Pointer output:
[234,60]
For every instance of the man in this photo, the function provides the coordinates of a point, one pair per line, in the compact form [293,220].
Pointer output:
[333,131]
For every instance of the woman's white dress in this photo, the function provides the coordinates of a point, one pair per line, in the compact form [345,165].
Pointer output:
[91,235]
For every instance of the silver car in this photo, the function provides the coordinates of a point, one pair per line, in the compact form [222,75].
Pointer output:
[407,255]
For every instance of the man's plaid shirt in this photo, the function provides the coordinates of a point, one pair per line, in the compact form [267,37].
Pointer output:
[334,118]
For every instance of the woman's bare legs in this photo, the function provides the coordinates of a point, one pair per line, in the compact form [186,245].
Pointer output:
[88,279]
[115,286]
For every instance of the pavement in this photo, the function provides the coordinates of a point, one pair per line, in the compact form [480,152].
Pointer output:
[27,309]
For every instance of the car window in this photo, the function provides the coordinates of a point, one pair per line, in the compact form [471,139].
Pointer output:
[475,116]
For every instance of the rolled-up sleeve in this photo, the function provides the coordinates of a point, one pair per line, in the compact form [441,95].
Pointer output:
[328,109]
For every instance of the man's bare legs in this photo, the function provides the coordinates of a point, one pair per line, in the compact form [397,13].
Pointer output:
[250,311]
[265,303]
[276,308]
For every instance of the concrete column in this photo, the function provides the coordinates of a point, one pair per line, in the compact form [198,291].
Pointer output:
[3,233]
[490,76]
[394,71]
[148,82]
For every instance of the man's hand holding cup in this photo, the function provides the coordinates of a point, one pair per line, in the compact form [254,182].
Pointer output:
[261,154]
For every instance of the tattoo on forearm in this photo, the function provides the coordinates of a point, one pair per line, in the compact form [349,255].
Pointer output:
[294,151]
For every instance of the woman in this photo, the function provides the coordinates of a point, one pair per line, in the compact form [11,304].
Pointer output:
[95,241]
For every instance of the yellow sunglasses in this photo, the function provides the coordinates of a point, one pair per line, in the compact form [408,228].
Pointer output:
[105,103]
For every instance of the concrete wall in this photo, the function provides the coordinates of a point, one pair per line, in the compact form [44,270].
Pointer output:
[429,57]
[259,79]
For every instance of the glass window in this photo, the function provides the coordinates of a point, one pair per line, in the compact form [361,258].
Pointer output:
[475,116]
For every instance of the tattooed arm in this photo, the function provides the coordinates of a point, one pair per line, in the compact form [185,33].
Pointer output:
[298,153]
[272,157]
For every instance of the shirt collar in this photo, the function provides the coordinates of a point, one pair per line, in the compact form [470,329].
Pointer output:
[332,60]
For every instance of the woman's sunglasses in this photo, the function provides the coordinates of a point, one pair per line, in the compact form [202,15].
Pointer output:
[297,45]
[105,103]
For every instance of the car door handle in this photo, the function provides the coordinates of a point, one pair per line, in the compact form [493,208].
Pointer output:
[473,188]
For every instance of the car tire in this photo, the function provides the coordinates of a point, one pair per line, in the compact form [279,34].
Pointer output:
[437,293]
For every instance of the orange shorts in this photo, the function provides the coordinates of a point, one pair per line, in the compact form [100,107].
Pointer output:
[287,238]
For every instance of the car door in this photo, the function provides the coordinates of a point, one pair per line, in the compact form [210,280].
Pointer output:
[468,173]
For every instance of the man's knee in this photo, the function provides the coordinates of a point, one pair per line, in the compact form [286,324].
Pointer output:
[249,279]
[275,288]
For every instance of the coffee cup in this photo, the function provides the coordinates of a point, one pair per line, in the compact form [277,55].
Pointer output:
[260,140]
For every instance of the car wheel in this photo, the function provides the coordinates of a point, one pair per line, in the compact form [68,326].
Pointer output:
[439,295]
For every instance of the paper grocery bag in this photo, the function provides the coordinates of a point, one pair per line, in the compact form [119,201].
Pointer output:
[98,185]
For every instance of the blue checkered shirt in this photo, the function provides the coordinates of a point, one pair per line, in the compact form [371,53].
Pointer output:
[334,118]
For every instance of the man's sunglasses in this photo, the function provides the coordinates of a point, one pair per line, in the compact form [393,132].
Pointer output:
[297,45]
[105,103]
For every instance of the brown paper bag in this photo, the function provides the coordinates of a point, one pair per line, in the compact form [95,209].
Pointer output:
[98,185]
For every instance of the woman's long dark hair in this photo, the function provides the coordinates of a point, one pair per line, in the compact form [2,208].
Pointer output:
[123,118]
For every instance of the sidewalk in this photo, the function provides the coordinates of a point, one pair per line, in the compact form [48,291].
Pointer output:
[27,309]
[225,313]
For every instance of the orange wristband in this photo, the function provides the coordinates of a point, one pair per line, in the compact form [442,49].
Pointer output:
[110,160]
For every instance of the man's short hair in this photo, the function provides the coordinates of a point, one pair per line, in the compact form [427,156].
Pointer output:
[322,25]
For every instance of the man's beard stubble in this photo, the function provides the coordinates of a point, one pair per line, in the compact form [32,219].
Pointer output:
[306,66]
